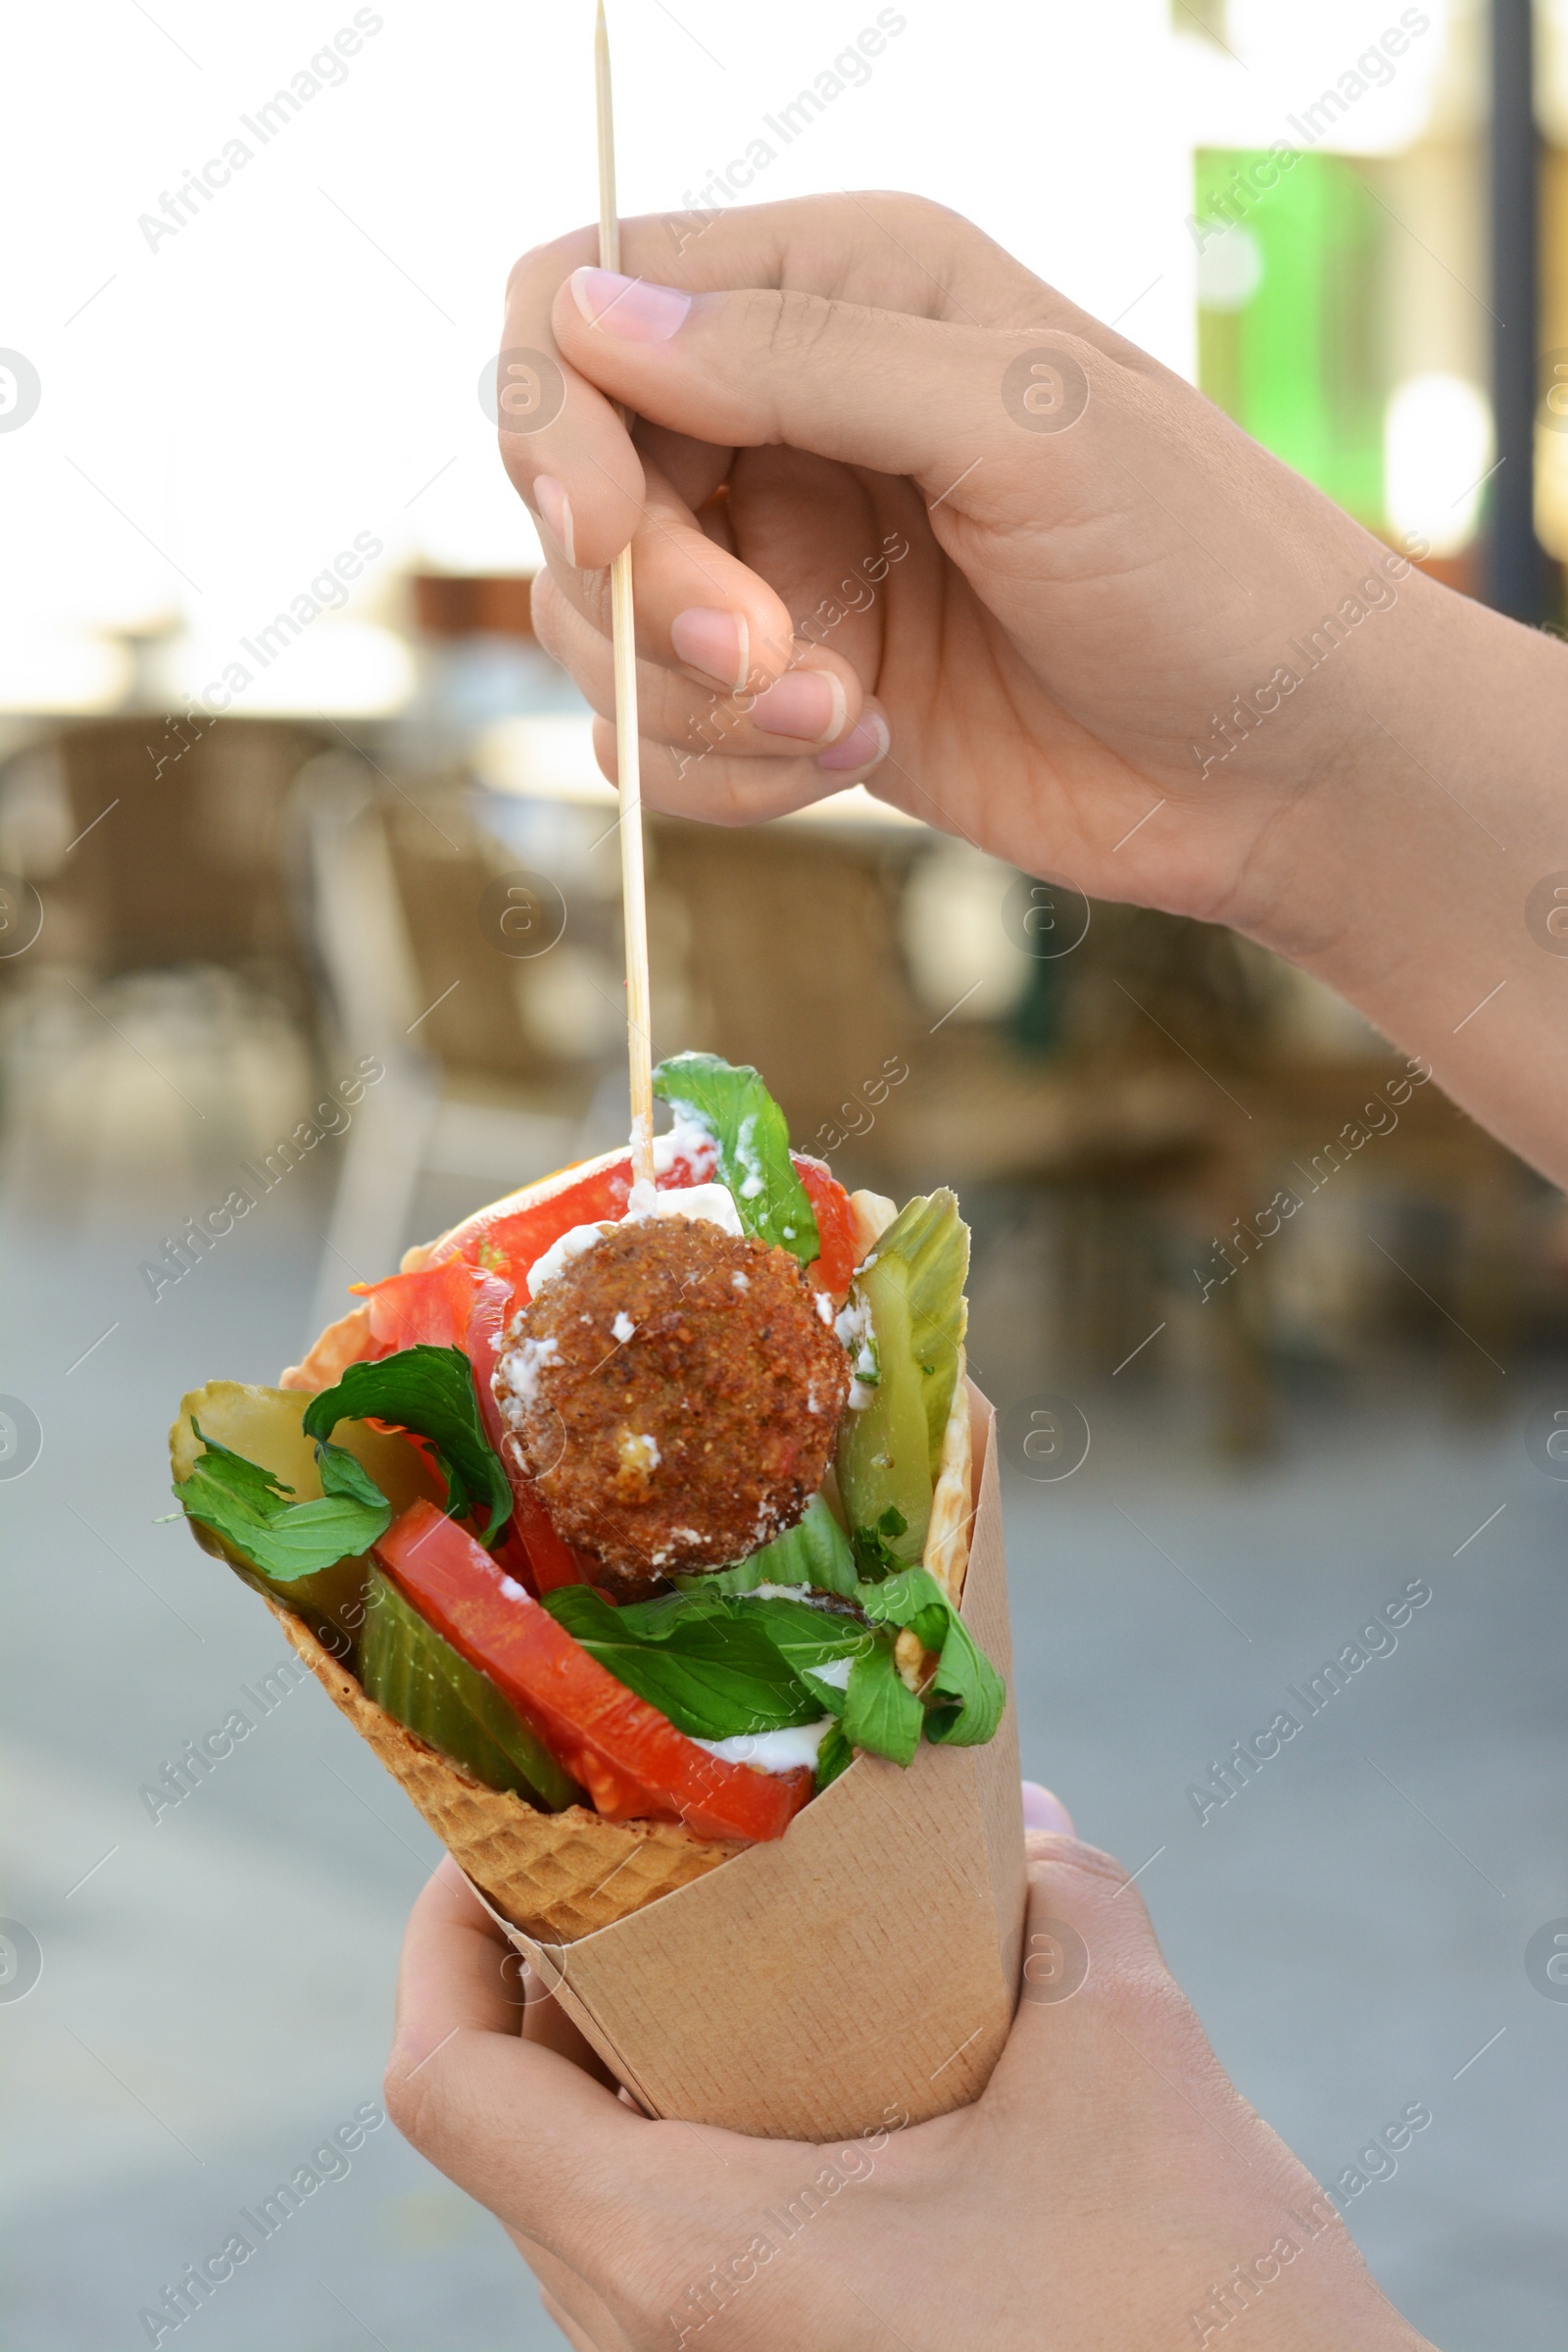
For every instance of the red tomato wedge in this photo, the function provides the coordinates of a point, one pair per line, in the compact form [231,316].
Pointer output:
[839,1252]
[436,1305]
[512,1234]
[630,1758]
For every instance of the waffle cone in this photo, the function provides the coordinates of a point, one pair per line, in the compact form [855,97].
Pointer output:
[557,1876]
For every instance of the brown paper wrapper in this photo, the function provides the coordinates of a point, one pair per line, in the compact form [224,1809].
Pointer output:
[860,1971]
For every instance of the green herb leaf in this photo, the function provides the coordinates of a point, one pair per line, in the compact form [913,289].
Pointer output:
[874,1555]
[282,1539]
[805,1637]
[835,1755]
[697,1657]
[814,1552]
[973,1691]
[430,1392]
[880,1712]
[753,1147]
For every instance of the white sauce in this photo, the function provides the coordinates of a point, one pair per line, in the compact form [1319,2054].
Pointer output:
[560,1253]
[708,1203]
[824,1307]
[741,1281]
[774,1752]
[622,1327]
[853,1324]
[746,1152]
[688,1139]
[510,1590]
[516,1377]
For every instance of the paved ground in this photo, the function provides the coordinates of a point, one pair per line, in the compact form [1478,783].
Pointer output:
[216,1990]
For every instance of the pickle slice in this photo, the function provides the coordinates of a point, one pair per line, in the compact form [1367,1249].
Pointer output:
[264,1425]
[408,1669]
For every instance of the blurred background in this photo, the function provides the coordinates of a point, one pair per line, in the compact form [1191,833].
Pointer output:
[289,796]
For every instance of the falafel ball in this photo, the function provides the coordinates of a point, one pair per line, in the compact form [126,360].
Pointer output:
[674,1391]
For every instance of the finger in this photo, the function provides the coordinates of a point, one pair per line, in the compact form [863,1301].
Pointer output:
[721,790]
[520,2128]
[698,607]
[454,1953]
[829,550]
[824,541]
[583,2316]
[867,386]
[815,703]
[1043,1810]
[562,444]
[1103,2038]
[545,2024]
[573,461]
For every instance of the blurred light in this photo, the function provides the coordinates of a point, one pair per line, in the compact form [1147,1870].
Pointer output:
[961,959]
[1551,70]
[1552,491]
[1230,268]
[1330,68]
[1437,449]
[348,666]
[61,669]
[548,756]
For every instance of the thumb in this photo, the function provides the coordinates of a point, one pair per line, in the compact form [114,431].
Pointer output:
[1103,2030]
[882,389]
[512,2121]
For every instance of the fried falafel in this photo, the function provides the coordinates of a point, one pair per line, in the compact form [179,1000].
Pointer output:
[674,1393]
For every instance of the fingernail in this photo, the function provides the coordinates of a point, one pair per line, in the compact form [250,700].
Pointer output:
[864,745]
[628,307]
[556,507]
[808,704]
[1043,1811]
[718,643]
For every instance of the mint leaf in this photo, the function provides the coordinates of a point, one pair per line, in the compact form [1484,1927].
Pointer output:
[279,1538]
[880,1712]
[695,1657]
[753,1141]
[805,1637]
[966,1692]
[430,1392]
[814,1552]
[835,1755]
[874,1555]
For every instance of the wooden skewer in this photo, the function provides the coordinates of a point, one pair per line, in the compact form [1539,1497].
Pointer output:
[623,631]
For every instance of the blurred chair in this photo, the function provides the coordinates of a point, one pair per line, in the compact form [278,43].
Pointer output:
[182,850]
[164,854]
[793,960]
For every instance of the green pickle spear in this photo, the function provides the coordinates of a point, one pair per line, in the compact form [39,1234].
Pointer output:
[408,1669]
[890,1448]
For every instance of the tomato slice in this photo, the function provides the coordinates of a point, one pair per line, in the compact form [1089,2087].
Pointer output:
[839,1250]
[512,1234]
[630,1758]
[434,1307]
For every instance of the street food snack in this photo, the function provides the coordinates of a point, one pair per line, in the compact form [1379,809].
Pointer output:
[627,1514]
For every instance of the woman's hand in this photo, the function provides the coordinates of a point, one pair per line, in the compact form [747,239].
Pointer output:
[1110,2189]
[1012,567]
[900,513]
